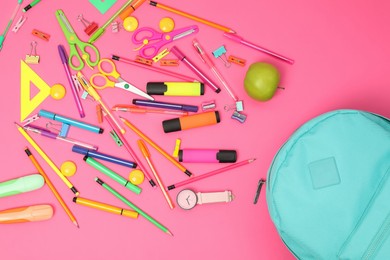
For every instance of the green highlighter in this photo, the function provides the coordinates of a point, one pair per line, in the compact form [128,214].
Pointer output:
[21,185]
[113,175]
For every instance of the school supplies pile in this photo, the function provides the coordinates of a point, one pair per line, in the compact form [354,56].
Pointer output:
[152,48]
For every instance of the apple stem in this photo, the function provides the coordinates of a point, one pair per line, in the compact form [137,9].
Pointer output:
[281,88]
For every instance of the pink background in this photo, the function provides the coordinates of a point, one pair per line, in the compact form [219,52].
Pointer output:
[341,51]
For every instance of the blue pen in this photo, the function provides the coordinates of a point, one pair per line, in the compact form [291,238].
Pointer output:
[69,121]
[102,156]
[151,103]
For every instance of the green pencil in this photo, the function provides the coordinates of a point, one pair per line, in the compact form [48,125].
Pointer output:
[128,203]
[113,175]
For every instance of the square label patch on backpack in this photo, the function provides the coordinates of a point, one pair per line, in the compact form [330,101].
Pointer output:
[324,173]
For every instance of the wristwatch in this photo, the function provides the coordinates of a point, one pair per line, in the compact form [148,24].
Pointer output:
[188,199]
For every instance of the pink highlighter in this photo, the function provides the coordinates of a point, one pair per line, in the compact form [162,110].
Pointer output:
[207,156]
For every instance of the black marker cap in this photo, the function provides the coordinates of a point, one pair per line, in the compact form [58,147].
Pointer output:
[171,125]
[227,156]
[156,88]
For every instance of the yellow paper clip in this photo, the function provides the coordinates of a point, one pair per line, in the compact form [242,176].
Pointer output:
[166,62]
[177,148]
[139,59]
[160,55]
[30,58]
[236,60]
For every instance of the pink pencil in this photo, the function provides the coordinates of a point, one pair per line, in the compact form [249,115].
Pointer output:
[209,174]
[128,148]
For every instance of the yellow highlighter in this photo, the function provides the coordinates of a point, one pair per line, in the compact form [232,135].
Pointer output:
[105,207]
[175,88]
[26,214]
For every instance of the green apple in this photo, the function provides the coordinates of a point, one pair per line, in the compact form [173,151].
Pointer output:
[261,81]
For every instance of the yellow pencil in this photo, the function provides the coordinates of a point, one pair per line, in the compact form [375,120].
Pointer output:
[51,186]
[47,159]
[155,146]
[192,17]
[105,207]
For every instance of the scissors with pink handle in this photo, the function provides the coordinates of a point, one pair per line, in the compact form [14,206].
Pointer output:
[152,41]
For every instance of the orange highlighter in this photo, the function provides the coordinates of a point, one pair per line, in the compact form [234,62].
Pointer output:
[26,214]
[192,121]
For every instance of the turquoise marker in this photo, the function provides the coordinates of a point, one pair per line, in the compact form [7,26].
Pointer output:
[69,121]
[2,37]
[28,7]
[113,175]
[21,185]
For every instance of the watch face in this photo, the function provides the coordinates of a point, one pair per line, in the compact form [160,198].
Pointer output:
[187,199]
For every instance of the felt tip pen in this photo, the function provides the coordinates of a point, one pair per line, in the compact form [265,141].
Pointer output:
[69,121]
[238,39]
[105,207]
[91,91]
[26,214]
[195,69]
[64,60]
[158,104]
[129,149]
[102,156]
[33,3]
[113,175]
[133,206]
[46,133]
[206,59]
[135,109]
[47,159]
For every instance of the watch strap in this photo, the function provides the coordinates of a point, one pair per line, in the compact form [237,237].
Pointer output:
[213,197]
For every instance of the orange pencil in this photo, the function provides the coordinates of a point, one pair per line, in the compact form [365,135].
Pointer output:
[192,17]
[155,146]
[51,186]
[146,154]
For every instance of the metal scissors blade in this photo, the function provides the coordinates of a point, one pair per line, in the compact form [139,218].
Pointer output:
[130,87]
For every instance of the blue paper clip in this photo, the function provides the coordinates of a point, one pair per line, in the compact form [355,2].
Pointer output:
[221,52]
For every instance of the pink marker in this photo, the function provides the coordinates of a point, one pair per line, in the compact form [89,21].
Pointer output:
[207,156]
[236,38]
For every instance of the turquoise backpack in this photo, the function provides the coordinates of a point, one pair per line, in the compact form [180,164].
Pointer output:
[328,188]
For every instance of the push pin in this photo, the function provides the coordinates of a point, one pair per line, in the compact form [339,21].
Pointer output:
[89,27]
[239,117]
[30,58]
[221,53]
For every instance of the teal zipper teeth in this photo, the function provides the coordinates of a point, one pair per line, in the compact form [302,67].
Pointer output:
[379,239]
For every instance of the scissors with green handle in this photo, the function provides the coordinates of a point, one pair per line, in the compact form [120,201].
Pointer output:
[75,43]
[112,72]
